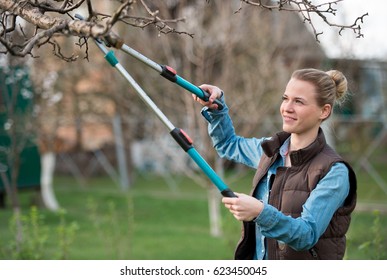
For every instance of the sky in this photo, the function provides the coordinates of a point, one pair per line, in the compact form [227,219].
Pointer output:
[374,43]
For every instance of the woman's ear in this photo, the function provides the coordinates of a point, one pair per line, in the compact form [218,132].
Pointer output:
[325,111]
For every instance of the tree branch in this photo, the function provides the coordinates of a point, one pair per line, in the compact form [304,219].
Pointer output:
[54,23]
[53,16]
[25,49]
[306,8]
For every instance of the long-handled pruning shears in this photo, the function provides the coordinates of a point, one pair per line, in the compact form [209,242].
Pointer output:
[164,70]
[178,134]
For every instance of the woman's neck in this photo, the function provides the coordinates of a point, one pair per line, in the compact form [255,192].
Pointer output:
[298,141]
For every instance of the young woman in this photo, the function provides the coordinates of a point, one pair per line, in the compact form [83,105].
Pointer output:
[303,191]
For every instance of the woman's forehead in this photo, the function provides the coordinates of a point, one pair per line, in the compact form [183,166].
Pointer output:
[300,88]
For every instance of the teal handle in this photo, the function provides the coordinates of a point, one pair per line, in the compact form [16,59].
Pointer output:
[190,87]
[211,174]
[196,90]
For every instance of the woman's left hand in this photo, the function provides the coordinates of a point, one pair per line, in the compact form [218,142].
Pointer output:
[215,93]
[243,207]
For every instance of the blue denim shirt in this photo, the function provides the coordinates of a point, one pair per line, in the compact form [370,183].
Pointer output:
[299,233]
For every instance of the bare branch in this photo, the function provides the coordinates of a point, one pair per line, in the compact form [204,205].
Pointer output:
[12,26]
[57,51]
[306,8]
[25,49]
[66,7]
[54,18]
[59,22]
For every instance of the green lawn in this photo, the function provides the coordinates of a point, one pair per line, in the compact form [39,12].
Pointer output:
[155,220]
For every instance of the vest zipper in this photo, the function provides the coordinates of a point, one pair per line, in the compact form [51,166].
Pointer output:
[314,253]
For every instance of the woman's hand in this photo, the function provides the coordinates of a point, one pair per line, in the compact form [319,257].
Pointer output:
[243,207]
[215,93]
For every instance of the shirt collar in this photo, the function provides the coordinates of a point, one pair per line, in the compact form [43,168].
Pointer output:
[280,144]
[284,149]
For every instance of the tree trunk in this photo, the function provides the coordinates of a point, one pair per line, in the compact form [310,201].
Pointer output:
[214,212]
[47,173]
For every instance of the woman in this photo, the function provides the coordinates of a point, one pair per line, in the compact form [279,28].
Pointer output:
[303,191]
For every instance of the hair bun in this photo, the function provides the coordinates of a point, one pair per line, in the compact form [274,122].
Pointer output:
[341,84]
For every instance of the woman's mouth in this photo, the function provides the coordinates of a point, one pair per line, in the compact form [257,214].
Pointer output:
[288,119]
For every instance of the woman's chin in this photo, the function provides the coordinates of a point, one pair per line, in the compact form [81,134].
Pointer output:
[287,129]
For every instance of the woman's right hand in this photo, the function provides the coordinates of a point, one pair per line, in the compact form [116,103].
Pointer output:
[244,207]
[215,93]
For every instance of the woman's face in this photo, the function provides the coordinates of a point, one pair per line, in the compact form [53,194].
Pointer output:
[299,110]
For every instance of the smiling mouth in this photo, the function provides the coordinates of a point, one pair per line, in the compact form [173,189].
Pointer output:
[287,118]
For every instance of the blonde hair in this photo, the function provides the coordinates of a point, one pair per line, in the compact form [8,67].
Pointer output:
[331,86]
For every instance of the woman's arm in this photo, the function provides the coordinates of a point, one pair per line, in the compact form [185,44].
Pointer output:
[222,132]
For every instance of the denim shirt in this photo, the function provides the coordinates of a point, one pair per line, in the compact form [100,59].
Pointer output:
[300,233]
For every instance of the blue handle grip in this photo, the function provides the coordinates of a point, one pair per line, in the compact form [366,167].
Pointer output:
[211,174]
[196,90]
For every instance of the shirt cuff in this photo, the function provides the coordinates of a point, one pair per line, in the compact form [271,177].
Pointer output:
[268,218]
[208,113]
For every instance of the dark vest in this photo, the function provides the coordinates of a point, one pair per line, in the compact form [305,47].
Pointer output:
[290,189]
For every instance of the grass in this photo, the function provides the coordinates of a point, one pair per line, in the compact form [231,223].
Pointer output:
[154,221]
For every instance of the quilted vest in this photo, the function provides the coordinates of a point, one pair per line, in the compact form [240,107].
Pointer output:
[290,189]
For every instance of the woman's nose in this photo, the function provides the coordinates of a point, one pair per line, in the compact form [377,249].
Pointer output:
[288,106]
